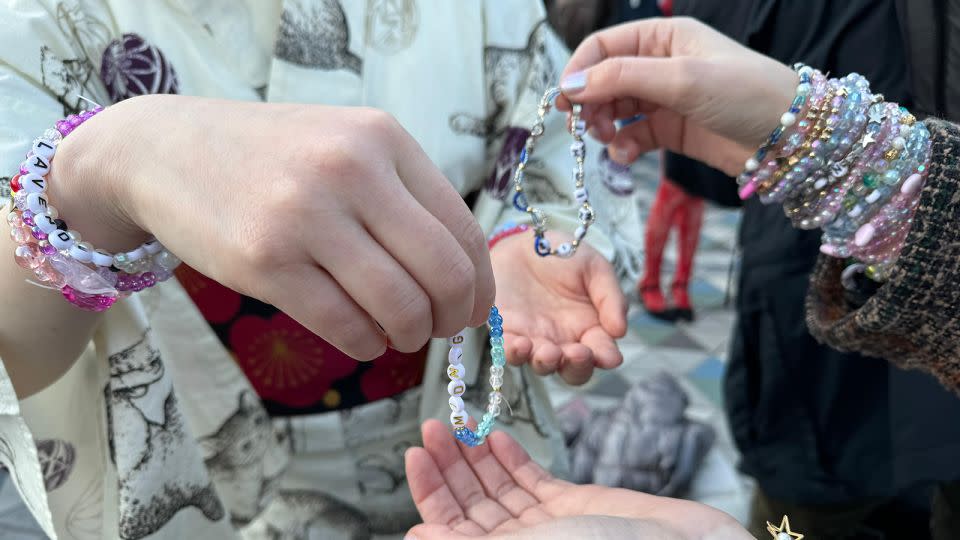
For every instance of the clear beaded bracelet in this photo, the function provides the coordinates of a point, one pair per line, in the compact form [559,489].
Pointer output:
[577,128]
[459,417]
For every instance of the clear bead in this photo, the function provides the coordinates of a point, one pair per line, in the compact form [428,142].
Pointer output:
[496,371]
[496,382]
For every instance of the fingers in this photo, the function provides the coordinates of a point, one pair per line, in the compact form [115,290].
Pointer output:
[606,354]
[460,478]
[577,364]
[433,498]
[311,296]
[523,470]
[546,356]
[649,37]
[435,193]
[665,82]
[518,348]
[497,483]
[605,294]
[379,284]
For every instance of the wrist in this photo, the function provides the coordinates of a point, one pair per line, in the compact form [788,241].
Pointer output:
[88,185]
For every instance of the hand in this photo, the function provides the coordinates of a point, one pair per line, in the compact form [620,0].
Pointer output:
[334,215]
[561,315]
[495,490]
[704,95]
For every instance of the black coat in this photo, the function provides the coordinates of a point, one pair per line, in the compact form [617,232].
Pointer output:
[816,426]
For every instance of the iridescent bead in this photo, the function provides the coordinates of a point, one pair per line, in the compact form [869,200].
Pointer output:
[38,234]
[162,274]
[149,279]
[493,409]
[108,275]
[46,248]
[14,219]
[167,260]
[27,218]
[496,371]
[495,397]
[496,382]
[20,234]
[28,256]
[46,274]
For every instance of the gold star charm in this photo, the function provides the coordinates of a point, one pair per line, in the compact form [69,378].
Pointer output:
[783,532]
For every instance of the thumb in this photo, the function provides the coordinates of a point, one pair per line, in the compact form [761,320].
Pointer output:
[665,82]
[605,294]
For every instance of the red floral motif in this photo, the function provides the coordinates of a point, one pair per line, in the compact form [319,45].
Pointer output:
[393,373]
[216,303]
[284,361]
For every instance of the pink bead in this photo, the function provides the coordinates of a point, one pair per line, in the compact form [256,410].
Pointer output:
[74,120]
[828,250]
[108,275]
[13,219]
[748,190]
[911,184]
[48,275]
[28,256]
[47,249]
[88,302]
[64,127]
[864,235]
[20,234]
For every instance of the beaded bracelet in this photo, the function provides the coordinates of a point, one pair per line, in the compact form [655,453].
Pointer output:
[89,278]
[455,370]
[854,166]
[577,128]
[506,230]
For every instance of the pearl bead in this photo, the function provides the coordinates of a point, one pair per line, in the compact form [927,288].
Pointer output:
[864,235]
[37,203]
[820,183]
[102,258]
[899,143]
[788,119]
[751,165]
[456,387]
[61,240]
[873,197]
[75,235]
[911,184]
[456,403]
[784,536]
[33,183]
[44,148]
[456,371]
[455,355]
[459,419]
[82,251]
[565,250]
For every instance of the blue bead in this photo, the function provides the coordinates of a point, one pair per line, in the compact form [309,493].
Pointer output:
[495,320]
[494,311]
[496,331]
[523,155]
[467,437]
[520,201]
[542,249]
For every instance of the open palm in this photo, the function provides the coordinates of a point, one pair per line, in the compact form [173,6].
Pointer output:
[495,490]
[560,315]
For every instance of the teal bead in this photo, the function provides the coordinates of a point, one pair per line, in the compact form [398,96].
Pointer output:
[496,341]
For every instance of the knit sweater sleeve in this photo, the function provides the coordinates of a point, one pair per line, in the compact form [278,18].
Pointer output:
[913,320]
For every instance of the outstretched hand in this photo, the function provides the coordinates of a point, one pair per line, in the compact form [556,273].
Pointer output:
[560,315]
[496,491]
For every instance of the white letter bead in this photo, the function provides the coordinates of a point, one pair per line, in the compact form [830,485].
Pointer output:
[788,119]
[36,203]
[565,250]
[456,340]
[456,371]
[580,233]
[455,354]
[582,195]
[456,387]
[82,251]
[102,258]
[44,148]
[459,419]
[61,240]
[33,183]
[37,165]
[136,254]
[152,246]
[456,404]
[44,222]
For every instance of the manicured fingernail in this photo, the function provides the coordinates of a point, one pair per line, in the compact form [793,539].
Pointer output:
[574,82]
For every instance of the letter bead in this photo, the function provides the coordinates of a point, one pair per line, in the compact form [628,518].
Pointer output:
[456,371]
[456,387]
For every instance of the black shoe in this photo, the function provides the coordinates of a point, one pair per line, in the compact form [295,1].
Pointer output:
[683,314]
[667,315]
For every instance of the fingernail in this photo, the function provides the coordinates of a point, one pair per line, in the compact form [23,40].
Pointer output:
[621,156]
[574,82]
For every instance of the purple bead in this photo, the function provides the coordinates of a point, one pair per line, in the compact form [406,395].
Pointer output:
[149,279]
[23,170]
[74,120]
[837,101]
[38,234]
[47,249]
[64,127]
[97,109]
[123,282]
[136,284]
[28,218]
[86,115]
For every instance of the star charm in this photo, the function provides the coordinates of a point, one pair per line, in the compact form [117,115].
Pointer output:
[783,532]
[867,140]
[876,115]
[842,92]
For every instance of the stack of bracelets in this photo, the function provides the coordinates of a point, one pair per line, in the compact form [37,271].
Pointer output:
[844,160]
[89,278]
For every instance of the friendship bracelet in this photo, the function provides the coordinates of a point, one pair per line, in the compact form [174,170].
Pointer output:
[508,229]
[577,128]
[455,370]
[89,278]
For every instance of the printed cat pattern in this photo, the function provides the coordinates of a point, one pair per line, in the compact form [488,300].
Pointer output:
[160,471]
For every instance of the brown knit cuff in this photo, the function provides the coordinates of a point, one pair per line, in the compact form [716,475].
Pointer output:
[914,319]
